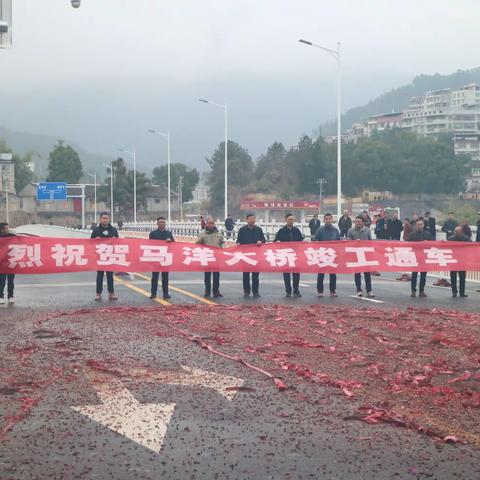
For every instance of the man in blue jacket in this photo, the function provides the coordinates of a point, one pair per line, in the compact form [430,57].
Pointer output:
[327,233]
[290,233]
[161,233]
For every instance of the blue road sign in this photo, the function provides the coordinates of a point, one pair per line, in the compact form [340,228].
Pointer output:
[52,191]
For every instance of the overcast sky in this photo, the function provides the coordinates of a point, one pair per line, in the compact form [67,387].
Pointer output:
[243,51]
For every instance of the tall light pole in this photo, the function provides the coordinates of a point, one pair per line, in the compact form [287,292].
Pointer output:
[225,108]
[167,136]
[134,156]
[94,176]
[336,55]
[111,188]
[180,196]
[320,182]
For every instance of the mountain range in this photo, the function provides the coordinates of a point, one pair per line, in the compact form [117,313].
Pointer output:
[198,133]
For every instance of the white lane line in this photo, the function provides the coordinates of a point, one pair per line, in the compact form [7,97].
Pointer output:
[367,299]
[433,286]
[303,285]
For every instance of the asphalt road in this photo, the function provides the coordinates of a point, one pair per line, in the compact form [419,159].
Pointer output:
[77,290]
[91,399]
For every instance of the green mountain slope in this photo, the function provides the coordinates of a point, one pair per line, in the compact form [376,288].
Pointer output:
[398,98]
[22,142]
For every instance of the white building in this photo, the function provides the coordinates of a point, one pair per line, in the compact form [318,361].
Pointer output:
[200,194]
[7,173]
[456,111]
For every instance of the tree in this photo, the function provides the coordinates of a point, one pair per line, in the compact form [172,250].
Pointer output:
[123,189]
[240,173]
[64,164]
[23,173]
[271,171]
[190,176]
[403,162]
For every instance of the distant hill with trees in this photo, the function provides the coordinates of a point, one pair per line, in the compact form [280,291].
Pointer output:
[398,98]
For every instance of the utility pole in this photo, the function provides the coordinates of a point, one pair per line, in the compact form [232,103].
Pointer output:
[320,182]
[180,196]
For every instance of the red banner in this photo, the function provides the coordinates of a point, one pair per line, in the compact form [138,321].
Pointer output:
[30,255]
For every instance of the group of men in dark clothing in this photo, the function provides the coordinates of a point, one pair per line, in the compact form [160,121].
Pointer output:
[422,229]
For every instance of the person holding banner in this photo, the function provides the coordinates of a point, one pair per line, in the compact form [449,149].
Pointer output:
[419,235]
[361,232]
[6,278]
[458,236]
[290,233]
[251,234]
[105,230]
[327,233]
[161,233]
[211,237]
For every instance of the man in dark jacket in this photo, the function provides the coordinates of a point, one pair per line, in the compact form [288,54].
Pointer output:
[6,278]
[381,227]
[344,224]
[430,225]
[458,236]
[327,233]
[290,233]
[162,234]
[449,225]
[419,235]
[105,230]
[229,226]
[477,238]
[394,227]
[313,225]
[250,234]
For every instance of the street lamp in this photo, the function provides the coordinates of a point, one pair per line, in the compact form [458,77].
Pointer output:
[321,182]
[134,156]
[336,55]
[167,136]
[94,176]
[225,108]
[111,188]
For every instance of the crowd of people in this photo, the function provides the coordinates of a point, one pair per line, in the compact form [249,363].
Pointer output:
[386,227]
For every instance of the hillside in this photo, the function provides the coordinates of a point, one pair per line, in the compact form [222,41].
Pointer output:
[22,142]
[398,98]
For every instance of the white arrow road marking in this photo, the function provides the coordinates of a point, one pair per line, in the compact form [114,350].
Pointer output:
[147,423]
[193,377]
[120,411]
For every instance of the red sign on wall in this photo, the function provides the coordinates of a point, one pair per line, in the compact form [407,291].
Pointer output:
[279,205]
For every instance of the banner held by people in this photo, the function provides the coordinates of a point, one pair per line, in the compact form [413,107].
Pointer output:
[27,255]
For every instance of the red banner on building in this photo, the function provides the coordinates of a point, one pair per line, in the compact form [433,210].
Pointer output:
[58,255]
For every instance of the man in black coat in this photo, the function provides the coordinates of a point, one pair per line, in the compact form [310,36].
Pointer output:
[449,225]
[419,235]
[105,230]
[250,234]
[458,236]
[6,278]
[477,238]
[394,227]
[430,225]
[314,225]
[229,226]
[162,234]
[344,224]
[290,233]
